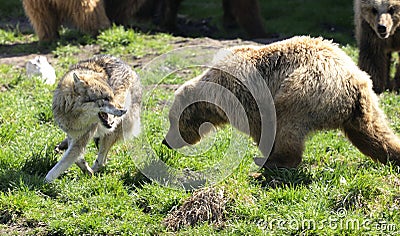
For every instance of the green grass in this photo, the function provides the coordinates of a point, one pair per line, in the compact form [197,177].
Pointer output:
[335,191]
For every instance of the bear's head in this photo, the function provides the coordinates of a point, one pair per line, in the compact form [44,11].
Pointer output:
[190,117]
[382,15]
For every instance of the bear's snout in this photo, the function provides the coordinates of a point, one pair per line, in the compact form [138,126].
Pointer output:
[382,30]
[384,26]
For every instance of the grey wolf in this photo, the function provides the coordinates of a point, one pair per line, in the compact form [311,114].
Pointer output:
[97,98]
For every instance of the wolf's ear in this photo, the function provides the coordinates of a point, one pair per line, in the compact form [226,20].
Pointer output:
[78,84]
[76,78]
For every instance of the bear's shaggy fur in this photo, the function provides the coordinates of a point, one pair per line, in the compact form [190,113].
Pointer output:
[314,86]
[246,13]
[376,23]
[46,16]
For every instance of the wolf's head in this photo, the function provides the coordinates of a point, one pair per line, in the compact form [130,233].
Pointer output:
[98,98]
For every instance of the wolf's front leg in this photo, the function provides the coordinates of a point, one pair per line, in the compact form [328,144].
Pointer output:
[105,143]
[74,153]
[84,166]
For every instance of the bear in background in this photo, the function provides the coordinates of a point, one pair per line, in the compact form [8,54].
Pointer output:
[126,12]
[90,16]
[46,16]
[376,23]
[245,13]
[314,86]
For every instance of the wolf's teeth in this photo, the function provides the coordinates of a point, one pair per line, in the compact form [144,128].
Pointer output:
[104,120]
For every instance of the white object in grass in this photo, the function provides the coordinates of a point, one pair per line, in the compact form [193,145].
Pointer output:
[40,66]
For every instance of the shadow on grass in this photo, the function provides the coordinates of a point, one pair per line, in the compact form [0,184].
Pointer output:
[133,179]
[21,49]
[31,175]
[16,180]
[281,177]
[69,37]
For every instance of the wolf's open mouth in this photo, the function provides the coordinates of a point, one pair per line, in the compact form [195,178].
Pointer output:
[104,120]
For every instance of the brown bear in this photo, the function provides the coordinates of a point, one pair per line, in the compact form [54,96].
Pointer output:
[90,16]
[126,12]
[376,23]
[245,13]
[46,16]
[314,86]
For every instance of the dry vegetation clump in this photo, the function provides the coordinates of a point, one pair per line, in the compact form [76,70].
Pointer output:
[205,205]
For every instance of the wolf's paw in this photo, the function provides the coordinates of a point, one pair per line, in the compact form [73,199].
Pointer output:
[84,166]
[97,168]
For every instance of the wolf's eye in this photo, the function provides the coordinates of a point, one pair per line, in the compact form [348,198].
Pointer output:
[391,10]
[90,100]
[374,11]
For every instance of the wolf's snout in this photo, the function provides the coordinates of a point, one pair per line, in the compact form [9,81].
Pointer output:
[113,110]
[121,112]
[164,142]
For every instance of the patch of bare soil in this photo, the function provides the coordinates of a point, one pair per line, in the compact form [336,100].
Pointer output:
[186,27]
[11,223]
[23,229]
[19,60]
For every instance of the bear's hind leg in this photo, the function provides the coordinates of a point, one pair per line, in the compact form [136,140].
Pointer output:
[44,19]
[376,140]
[369,130]
[91,18]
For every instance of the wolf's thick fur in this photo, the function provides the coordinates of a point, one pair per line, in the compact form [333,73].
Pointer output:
[314,86]
[46,16]
[97,98]
[376,31]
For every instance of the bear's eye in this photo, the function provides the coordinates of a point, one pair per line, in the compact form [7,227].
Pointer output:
[391,10]
[374,11]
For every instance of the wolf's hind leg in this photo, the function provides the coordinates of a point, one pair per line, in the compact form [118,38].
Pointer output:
[75,151]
